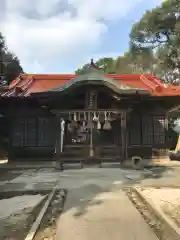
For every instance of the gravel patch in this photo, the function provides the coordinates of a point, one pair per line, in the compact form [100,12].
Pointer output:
[160,228]
[168,199]
[173,213]
[164,197]
[47,228]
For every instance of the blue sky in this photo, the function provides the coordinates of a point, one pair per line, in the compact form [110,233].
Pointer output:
[58,36]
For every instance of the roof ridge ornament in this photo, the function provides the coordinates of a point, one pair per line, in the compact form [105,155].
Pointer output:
[91,67]
[93,64]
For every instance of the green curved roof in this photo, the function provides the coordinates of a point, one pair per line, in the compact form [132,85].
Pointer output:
[94,77]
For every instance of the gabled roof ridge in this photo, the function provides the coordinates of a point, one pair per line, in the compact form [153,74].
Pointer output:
[156,81]
[48,76]
[43,82]
[153,85]
[15,82]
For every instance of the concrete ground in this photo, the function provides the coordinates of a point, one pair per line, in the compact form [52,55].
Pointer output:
[96,205]
[69,179]
[96,213]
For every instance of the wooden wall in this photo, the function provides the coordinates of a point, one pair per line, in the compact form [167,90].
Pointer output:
[35,136]
[147,134]
[32,134]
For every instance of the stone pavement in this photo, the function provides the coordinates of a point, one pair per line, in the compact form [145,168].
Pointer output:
[26,165]
[46,178]
[96,207]
[104,216]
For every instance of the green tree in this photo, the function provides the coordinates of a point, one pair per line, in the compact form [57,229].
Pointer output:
[10,66]
[154,45]
[105,64]
[159,29]
[135,62]
[132,62]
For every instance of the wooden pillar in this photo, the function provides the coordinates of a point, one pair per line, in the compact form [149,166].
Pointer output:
[166,132]
[57,153]
[91,103]
[124,135]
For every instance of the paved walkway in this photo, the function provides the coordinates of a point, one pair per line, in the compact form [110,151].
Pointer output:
[69,179]
[96,207]
[108,215]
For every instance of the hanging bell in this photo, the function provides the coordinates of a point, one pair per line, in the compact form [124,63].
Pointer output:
[75,117]
[98,123]
[95,118]
[101,117]
[85,118]
[107,125]
[109,118]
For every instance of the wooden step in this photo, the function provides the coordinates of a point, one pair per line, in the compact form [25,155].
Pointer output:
[76,153]
[75,146]
[86,153]
[112,150]
[112,159]
[89,161]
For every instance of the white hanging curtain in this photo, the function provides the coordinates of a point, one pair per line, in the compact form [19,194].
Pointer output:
[62,133]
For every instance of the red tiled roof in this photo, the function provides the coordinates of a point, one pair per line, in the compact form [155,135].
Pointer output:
[26,84]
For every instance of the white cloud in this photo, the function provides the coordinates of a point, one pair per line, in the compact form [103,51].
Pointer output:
[45,33]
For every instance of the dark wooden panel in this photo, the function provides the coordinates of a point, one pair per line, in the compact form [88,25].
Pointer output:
[23,132]
[17,132]
[142,151]
[134,130]
[32,153]
[159,131]
[147,130]
[30,130]
[28,112]
[46,132]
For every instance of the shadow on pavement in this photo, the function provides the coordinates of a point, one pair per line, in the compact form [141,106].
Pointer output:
[82,197]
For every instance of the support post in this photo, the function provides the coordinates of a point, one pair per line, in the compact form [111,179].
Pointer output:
[58,145]
[123,136]
[91,104]
[166,132]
